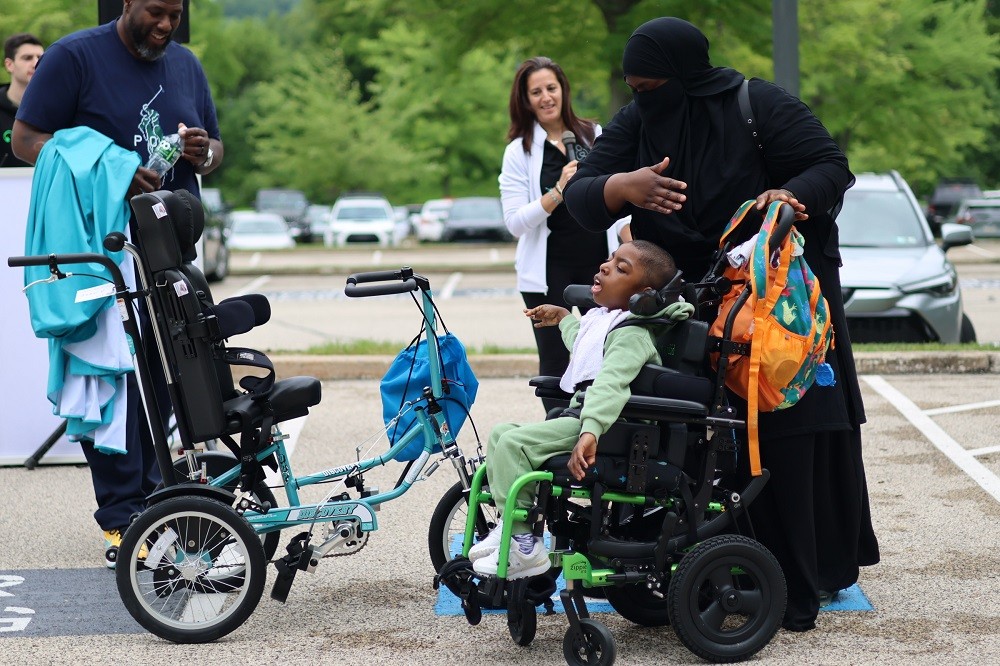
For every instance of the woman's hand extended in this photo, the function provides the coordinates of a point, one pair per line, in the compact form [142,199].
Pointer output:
[765,199]
[646,188]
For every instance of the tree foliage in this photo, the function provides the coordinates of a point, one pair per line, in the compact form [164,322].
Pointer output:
[411,98]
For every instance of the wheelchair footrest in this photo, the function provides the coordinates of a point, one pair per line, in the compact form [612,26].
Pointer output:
[457,575]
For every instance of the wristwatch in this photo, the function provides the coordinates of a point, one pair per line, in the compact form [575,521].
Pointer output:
[208,159]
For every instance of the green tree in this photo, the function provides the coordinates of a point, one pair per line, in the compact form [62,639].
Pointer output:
[450,113]
[312,132]
[901,84]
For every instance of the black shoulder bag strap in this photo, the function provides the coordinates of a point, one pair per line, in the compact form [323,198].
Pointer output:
[743,97]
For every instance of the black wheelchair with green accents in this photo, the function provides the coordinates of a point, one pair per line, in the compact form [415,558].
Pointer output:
[654,527]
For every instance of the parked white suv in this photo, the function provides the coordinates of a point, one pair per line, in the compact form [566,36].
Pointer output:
[360,219]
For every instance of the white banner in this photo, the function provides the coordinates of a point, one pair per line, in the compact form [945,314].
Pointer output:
[26,418]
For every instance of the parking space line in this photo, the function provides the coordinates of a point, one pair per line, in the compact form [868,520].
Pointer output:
[963,458]
[962,408]
[252,286]
[980,251]
[449,287]
[986,450]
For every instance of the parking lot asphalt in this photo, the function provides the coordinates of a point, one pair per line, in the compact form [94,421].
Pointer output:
[474,285]
[933,469]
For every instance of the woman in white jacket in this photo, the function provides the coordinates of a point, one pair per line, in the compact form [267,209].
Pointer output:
[553,251]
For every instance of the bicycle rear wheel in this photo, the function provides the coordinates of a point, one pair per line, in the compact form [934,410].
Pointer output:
[190,569]
[218,463]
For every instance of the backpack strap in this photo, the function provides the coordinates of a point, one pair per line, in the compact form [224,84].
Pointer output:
[736,219]
[767,282]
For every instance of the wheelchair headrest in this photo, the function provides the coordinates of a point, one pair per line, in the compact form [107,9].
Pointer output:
[169,225]
[157,240]
[651,301]
[188,216]
[645,303]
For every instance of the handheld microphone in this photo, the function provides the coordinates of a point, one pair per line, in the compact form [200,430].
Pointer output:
[574,151]
[569,140]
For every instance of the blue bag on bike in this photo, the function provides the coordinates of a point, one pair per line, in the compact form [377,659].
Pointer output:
[406,378]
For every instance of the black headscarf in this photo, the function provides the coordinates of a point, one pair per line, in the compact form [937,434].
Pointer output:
[689,120]
[671,48]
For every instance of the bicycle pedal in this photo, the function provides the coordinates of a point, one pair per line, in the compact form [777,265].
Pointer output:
[283,583]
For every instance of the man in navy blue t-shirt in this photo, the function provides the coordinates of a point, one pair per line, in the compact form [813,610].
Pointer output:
[129,81]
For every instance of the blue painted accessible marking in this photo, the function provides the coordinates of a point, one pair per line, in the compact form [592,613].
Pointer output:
[62,602]
[851,599]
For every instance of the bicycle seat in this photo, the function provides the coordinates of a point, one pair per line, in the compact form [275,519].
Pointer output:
[289,398]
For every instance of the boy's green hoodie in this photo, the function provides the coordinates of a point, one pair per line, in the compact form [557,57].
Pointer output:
[626,350]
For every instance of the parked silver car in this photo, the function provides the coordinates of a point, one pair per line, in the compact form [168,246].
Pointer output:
[475,218]
[898,285]
[980,215]
[361,219]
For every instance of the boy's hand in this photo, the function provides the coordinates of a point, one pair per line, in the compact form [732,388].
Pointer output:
[546,315]
[583,456]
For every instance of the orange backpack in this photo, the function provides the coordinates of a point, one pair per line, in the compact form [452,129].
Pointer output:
[785,320]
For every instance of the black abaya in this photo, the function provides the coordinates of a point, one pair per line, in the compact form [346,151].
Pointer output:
[814,514]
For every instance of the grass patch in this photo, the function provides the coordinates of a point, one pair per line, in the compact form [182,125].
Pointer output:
[921,347]
[387,348]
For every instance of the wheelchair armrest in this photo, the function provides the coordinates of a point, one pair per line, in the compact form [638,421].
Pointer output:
[548,387]
[656,409]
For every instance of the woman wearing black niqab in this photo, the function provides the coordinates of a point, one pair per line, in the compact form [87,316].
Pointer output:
[680,160]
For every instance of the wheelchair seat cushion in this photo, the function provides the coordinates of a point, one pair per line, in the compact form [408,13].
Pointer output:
[289,398]
[612,471]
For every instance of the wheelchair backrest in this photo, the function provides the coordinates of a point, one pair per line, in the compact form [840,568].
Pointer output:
[168,225]
[684,347]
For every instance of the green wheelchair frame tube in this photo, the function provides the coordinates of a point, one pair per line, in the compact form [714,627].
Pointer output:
[575,566]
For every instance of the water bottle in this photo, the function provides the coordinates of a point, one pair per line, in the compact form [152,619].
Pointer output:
[166,154]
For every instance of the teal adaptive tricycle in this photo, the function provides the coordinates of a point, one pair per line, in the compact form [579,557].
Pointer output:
[191,567]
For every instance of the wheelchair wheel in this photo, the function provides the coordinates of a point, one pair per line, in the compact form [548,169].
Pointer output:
[727,598]
[593,645]
[522,621]
[218,463]
[636,603]
[190,569]
[447,528]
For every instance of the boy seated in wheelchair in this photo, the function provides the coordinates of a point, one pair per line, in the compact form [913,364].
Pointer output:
[605,358]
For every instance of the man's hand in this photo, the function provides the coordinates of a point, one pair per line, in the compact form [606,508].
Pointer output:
[583,456]
[546,315]
[144,180]
[196,144]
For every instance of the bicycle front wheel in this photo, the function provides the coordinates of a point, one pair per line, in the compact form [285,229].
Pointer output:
[447,527]
[190,569]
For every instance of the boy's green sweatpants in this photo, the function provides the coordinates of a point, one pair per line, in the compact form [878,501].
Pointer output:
[515,449]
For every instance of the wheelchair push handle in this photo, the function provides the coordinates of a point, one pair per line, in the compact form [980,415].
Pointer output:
[407,282]
[786,218]
[53,261]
